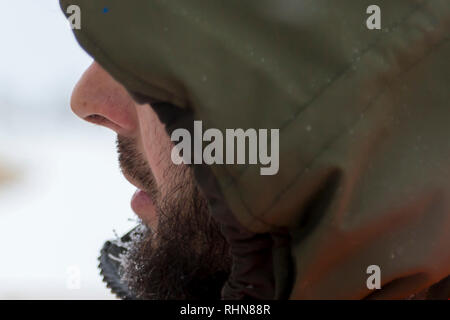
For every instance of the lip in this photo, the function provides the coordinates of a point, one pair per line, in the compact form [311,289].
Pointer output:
[143,206]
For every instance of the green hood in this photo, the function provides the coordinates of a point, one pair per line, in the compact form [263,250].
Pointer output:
[364,174]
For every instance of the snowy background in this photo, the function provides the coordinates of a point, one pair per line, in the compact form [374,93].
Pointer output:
[61,192]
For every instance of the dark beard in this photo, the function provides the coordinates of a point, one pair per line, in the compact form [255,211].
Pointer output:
[187,258]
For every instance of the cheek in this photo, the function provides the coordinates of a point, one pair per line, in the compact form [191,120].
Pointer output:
[155,141]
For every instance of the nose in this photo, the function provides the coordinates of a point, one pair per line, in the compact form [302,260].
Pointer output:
[100,99]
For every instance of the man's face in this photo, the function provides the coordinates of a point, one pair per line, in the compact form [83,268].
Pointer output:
[182,253]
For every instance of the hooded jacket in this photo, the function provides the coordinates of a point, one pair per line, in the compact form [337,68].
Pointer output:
[364,115]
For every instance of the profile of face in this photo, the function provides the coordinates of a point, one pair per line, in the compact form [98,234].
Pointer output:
[181,254]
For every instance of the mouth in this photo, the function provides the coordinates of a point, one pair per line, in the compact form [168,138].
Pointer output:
[142,204]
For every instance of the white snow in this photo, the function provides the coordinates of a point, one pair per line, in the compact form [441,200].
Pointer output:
[56,216]
[68,194]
